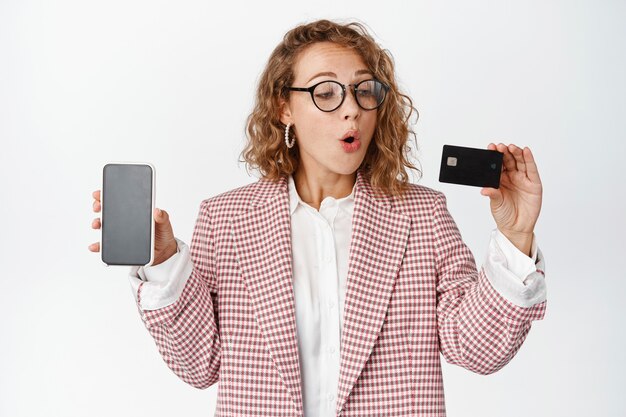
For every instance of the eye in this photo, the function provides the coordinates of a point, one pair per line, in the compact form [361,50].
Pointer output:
[327,91]
[365,92]
[368,87]
[325,95]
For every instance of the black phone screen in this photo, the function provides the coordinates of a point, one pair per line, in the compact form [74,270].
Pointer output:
[127,192]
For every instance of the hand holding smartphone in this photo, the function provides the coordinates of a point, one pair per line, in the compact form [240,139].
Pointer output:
[129,219]
[127,201]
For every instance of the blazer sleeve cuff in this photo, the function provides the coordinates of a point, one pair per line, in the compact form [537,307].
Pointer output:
[518,278]
[161,285]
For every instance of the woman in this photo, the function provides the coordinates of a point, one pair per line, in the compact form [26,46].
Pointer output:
[330,286]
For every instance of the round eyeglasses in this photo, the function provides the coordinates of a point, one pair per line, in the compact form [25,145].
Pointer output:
[329,95]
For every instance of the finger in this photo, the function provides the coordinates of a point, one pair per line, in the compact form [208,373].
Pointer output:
[519,158]
[508,161]
[96,195]
[96,206]
[494,194]
[492,147]
[95,224]
[94,247]
[160,216]
[531,167]
[488,191]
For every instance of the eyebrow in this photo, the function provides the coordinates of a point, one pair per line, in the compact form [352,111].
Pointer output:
[332,74]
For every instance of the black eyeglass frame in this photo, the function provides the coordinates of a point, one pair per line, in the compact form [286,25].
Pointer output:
[343,96]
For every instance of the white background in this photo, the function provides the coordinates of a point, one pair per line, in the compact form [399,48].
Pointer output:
[83,83]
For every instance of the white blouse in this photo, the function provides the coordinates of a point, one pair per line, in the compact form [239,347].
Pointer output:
[320,268]
[320,248]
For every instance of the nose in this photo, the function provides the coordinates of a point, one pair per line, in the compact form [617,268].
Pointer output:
[350,108]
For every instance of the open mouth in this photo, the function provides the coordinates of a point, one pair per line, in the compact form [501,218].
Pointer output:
[349,139]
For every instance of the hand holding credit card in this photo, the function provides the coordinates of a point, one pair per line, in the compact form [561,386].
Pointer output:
[516,204]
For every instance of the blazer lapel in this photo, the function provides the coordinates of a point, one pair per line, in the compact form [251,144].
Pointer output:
[262,236]
[377,246]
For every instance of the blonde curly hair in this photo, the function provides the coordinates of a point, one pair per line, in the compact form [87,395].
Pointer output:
[386,158]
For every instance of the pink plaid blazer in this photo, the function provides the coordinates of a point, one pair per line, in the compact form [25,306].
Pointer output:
[413,291]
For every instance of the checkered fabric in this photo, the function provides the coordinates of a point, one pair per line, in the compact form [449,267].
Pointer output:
[413,291]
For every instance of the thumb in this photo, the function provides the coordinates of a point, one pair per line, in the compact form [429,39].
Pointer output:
[160,216]
[494,194]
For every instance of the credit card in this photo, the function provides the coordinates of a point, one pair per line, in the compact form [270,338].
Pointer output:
[470,166]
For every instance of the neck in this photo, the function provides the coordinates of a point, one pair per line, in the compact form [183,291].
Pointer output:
[313,188]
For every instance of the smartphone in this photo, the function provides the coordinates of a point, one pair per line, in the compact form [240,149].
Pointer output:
[127,223]
[470,166]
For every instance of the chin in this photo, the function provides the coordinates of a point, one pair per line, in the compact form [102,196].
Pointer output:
[348,169]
